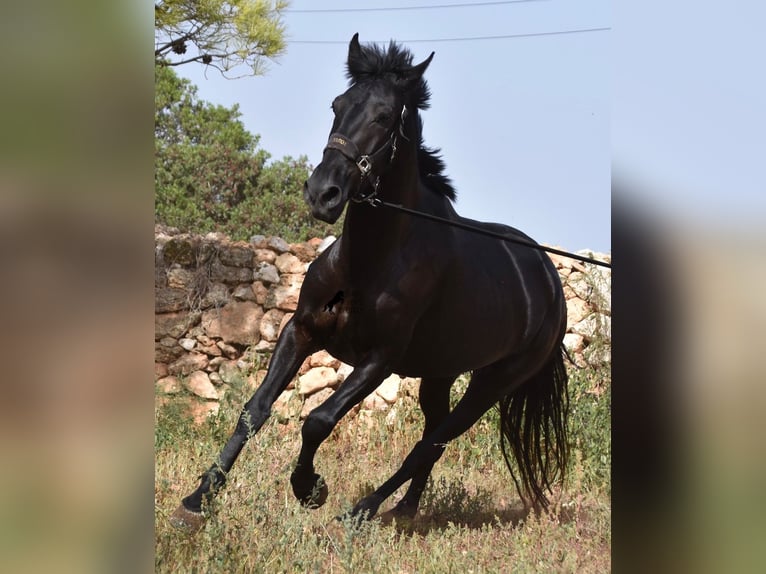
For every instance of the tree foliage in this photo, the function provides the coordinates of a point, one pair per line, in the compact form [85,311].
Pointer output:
[210,174]
[224,34]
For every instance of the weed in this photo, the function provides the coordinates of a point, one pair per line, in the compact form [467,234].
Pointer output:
[470,519]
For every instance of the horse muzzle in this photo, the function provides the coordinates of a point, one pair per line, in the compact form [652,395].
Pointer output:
[326,199]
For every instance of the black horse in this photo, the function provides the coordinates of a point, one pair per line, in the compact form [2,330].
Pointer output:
[418,298]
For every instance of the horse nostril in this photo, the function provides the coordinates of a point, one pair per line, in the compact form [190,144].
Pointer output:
[331,195]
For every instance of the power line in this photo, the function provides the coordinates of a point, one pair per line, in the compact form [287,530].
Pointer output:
[467,39]
[398,8]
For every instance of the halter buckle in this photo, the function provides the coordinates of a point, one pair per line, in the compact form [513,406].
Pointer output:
[364,164]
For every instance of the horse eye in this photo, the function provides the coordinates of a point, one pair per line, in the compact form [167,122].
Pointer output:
[383,118]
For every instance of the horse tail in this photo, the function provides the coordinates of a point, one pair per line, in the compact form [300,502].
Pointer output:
[533,430]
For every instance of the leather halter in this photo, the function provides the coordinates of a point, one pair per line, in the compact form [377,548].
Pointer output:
[368,164]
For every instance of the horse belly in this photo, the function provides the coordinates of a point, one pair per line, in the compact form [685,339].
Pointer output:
[449,343]
[486,313]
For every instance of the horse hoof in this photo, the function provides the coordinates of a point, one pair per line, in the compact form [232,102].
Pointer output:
[318,495]
[367,508]
[188,520]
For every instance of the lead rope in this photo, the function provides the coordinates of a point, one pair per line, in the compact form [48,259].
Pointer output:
[377,202]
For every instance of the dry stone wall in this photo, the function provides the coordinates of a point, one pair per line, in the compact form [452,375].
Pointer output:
[221,305]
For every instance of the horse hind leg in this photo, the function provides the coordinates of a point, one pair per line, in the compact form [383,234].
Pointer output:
[487,387]
[477,399]
[434,402]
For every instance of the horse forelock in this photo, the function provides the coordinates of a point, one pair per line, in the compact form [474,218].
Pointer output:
[373,62]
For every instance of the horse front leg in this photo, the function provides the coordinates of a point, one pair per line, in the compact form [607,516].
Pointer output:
[293,346]
[308,486]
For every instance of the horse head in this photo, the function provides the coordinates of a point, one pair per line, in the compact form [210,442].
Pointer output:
[372,118]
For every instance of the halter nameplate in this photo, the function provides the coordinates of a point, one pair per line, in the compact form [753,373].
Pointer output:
[344,145]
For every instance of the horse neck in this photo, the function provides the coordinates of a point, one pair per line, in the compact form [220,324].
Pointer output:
[371,235]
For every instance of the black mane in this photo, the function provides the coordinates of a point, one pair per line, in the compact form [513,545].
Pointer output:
[431,167]
[375,63]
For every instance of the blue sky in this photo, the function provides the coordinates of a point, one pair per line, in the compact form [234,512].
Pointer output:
[523,123]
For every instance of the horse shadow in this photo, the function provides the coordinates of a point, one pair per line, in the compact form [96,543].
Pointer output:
[437,520]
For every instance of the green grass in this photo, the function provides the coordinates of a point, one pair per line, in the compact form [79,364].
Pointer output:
[470,519]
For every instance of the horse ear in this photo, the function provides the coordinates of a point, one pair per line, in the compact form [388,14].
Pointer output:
[413,75]
[354,49]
